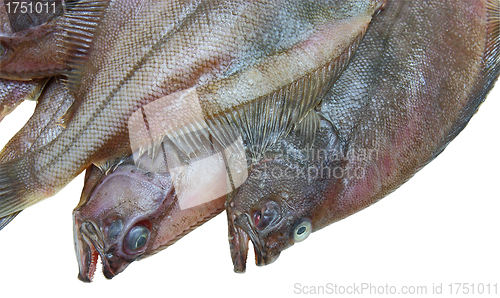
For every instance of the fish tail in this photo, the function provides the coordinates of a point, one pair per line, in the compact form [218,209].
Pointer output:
[4,221]
[17,191]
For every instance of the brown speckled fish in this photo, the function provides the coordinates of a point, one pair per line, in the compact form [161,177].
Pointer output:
[213,53]
[421,72]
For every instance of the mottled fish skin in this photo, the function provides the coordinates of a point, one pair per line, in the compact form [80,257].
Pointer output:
[34,52]
[283,196]
[44,125]
[13,93]
[129,214]
[144,51]
[420,74]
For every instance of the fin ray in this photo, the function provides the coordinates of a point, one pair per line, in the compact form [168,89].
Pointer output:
[78,29]
[4,221]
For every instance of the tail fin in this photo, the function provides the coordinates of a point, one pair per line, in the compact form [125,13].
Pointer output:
[15,189]
[7,219]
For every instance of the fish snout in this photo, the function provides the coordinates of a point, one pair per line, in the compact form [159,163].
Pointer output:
[246,232]
[87,240]
[94,246]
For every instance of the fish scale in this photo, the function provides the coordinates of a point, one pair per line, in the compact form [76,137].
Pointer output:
[110,89]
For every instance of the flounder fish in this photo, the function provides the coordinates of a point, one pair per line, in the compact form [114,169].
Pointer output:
[143,52]
[478,57]
[393,111]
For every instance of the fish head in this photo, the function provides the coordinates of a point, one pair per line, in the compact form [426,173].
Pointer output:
[281,201]
[118,218]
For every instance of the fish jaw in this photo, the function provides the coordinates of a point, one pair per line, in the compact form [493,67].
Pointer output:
[86,254]
[238,244]
[264,255]
[89,247]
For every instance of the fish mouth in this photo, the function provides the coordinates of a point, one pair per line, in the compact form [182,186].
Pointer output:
[86,240]
[89,246]
[241,231]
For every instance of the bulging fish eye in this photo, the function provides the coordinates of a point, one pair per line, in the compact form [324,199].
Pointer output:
[114,229]
[301,230]
[136,238]
[263,217]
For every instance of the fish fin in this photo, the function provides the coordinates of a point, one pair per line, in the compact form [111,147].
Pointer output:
[68,115]
[110,165]
[490,71]
[265,120]
[35,93]
[192,142]
[4,221]
[78,29]
[13,190]
[308,126]
[492,55]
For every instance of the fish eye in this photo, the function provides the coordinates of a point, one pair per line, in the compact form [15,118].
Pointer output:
[136,238]
[114,228]
[302,230]
[263,217]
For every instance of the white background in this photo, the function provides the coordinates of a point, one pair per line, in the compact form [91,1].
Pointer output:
[440,227]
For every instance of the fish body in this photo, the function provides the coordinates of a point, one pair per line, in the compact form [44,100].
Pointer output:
[145,51]
[394,112]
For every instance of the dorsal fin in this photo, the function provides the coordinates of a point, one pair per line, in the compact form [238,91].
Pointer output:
[265,120]
[79,25]
[187,121]
[492,53]
[308,126]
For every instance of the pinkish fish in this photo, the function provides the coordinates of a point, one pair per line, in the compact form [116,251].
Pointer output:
[415,82]
[169,51]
